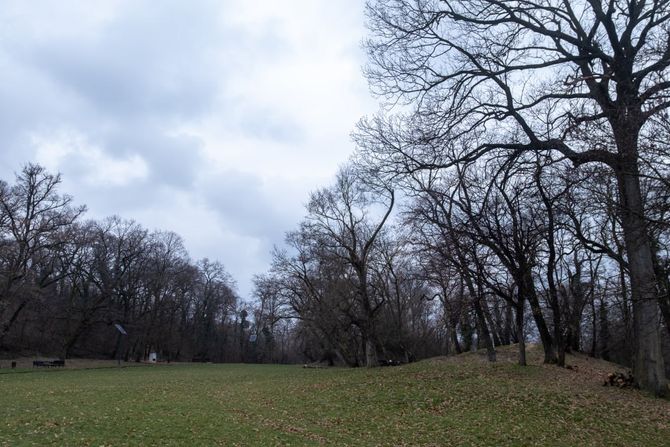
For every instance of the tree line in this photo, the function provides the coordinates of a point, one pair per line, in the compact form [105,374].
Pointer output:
[66,282]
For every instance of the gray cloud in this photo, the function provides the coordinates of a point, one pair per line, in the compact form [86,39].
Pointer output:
[245,205]
[147,61]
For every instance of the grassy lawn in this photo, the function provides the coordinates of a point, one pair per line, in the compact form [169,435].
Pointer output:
[461,401]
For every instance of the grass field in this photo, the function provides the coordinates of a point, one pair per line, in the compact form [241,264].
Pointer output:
[459,401]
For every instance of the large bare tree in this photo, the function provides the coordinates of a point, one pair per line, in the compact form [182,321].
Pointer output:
[581,79]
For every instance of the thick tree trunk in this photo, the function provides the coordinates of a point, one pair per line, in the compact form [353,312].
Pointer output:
[649,370]
[625,305]
[664,303]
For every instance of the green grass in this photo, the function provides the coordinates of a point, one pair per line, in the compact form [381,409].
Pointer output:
[455,402]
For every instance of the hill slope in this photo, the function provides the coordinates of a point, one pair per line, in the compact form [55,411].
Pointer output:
[455,401]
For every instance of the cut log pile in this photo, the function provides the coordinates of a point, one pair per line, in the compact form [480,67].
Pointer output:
[620,380]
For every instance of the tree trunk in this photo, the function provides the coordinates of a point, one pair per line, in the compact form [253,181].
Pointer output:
[8,322]
[466,331]
[494,325]
[664,303]
[519,332]
[559,339]
[594,325]
[454,339]
[649,370]
[484,330]
[626,307]
[507,331]
[73,337]
[553,299]
[575,303]
[603,350]
[370,352]
[545,336]
[663,279]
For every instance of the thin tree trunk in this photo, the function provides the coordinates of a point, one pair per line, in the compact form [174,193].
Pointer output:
[575,312]
[484,330]
[594,325]
[495,328]
[545,336]
[509,336]
[481,318]
[370,352]
[519,331]
[6,326]
[603,350]
[559,340]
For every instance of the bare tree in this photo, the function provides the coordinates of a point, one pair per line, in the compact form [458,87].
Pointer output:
[32,215]
[512,76]
[340,216]
[271,310]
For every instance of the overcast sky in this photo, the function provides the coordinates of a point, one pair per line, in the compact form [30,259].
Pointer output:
[213,119]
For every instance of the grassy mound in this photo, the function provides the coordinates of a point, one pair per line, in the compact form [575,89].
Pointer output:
[455,401]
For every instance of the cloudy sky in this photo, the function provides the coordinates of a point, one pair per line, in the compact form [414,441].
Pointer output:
[213,119]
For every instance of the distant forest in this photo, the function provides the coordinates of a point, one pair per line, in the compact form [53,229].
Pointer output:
[66,282]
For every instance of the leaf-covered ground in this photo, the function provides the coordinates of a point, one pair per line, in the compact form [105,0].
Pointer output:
[456,401]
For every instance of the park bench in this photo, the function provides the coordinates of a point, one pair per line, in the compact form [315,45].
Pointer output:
[48,363]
